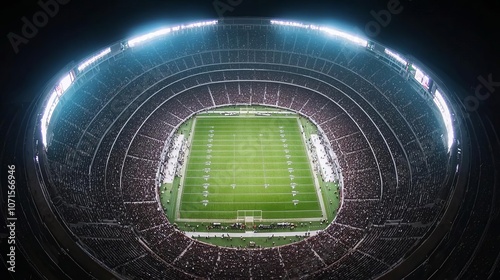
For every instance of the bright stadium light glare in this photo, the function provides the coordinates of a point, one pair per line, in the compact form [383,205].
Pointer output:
[164,31]
[65,82]
[445,113]
[396,56]
[421,77]
[290,23]
[93,59]
[47,113]
[54,98]
[148,36]
[344,35]
[199,24]
[328,30]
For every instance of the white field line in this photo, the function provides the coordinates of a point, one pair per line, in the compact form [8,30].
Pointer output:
[317,219]
[272,163]
[252,193]
[246,140]
[274,211]
[249,170]
[298,186]
[251,234]
[263,162]
[234,159]
[242,202]
[277,177]
[246,116]
[200,156]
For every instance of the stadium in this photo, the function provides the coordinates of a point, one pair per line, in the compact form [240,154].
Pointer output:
[254,121]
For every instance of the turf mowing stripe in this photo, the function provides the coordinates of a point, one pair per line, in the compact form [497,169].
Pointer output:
[265,147]
[279,193]
[251,210]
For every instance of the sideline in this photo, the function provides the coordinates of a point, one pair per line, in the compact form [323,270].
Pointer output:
[194,234]
[183,171]
[317,185]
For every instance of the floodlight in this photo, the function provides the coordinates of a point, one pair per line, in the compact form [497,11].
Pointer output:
[93,59]
[328,30]
[395,56]
[445,114]
[164,31]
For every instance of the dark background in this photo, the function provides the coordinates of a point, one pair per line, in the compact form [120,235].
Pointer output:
[457,40]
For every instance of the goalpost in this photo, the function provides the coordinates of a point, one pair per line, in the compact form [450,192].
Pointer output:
[248,220]
[247,110]
[249,216]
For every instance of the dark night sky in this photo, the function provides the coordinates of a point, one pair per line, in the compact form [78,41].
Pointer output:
[456,38]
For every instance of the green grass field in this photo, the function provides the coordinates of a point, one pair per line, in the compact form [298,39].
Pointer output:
[248,163]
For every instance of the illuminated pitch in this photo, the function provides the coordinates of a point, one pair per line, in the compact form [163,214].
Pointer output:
[255,163]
